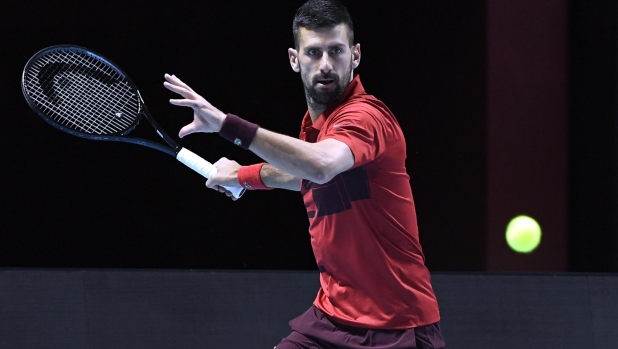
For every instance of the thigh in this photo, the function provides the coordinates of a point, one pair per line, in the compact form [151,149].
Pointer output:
[297,341]
[429,337]
[316,330]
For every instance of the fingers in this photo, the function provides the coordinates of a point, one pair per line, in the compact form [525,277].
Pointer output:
[221,189]
[221,160]
[187,130]
[180,90]
[176,81]
[191,99]
[227,193]
[210,183]
[174,84]
[186,103]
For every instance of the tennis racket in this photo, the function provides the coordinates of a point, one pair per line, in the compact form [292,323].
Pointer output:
[84,94]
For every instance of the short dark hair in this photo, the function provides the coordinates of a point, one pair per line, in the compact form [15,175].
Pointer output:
[322,14]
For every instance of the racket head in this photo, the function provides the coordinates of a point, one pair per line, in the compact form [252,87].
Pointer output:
[81,92]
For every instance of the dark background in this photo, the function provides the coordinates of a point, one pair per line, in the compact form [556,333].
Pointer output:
[68,202]
[241,309]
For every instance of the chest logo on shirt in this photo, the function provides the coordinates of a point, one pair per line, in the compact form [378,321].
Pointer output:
[337,195]
[339,126]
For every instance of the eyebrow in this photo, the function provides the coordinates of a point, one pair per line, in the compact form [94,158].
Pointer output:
[319,47]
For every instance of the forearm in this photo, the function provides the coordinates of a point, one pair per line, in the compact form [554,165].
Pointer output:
[299,159]
[318,162]
[275,178]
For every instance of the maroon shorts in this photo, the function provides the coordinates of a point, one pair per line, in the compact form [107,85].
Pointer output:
[313,330]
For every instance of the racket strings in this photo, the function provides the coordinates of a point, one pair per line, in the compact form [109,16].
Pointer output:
[71,98]
[82,92]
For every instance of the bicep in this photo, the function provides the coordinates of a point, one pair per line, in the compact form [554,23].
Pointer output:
[366,131]
[339,155]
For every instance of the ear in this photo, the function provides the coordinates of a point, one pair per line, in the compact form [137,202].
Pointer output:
[293,56]
[356,56]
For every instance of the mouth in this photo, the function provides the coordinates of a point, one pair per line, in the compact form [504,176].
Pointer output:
[326,82]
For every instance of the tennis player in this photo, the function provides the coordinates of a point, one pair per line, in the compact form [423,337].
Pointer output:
[349,165]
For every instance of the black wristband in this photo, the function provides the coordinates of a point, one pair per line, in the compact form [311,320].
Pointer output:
[238,131]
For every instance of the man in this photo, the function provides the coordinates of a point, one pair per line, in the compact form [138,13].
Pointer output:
[349,165]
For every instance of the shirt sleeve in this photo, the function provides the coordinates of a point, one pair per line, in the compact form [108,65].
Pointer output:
[361,129]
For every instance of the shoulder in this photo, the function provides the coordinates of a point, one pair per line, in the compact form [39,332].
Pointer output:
[364,108]
[362,102]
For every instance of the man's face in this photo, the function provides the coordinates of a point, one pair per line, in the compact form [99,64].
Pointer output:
[326,61]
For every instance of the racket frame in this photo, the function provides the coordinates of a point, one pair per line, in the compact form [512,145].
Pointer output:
[182,154]
[118,137]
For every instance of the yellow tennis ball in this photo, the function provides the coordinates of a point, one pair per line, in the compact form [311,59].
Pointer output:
[523,234]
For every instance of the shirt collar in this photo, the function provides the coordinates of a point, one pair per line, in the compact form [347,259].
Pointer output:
[354,88]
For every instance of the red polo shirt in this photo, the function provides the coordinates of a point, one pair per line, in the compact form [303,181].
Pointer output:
[363,222]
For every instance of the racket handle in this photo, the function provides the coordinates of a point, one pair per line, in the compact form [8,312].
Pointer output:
[203,167]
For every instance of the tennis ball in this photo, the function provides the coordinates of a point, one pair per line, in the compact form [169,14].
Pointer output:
[523,234]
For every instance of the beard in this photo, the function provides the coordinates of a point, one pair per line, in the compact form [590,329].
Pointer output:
[318,98]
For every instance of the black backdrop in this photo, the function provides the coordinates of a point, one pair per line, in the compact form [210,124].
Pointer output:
[68,202]
[593,136]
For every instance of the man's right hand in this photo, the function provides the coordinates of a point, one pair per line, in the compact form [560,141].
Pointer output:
[206,118]
[227,175]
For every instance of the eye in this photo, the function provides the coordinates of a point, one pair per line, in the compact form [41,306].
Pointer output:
[313,52]
[337,50]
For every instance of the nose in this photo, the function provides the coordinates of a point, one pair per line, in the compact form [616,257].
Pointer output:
[325,64]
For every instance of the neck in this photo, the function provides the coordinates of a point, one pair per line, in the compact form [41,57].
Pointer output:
[315,110]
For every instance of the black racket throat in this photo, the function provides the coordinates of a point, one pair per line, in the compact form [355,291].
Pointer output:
[172,150]
[175,147]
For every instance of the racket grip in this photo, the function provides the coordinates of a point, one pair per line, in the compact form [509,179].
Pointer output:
[203,167]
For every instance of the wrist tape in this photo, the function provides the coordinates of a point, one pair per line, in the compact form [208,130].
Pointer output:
[238,131]
[249,177]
